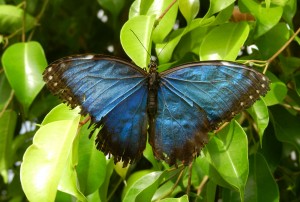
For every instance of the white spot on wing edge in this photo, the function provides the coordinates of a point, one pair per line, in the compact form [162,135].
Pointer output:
[89,57]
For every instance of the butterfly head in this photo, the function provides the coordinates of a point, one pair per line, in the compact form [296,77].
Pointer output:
[152,66]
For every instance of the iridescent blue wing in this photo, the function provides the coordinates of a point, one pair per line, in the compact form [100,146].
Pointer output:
[113,92]
[196,98]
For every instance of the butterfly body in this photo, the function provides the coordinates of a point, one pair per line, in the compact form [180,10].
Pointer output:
[180,105]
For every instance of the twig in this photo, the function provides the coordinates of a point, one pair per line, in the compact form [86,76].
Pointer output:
[203,182]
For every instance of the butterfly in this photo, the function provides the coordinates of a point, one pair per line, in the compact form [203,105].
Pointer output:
[177,107]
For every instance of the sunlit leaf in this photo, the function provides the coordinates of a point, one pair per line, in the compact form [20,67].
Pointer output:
[184,198]
[136,37]
[266,17]
[23,65]
[45,160]
[216,6]
[224,42]
[144,188]
[189,9]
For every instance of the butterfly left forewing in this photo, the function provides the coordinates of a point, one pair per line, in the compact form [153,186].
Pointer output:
[113,92]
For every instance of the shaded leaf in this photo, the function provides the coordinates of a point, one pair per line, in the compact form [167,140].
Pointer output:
[260,114]
[266,43]
[11,19]
[286,126]
[5,90]
[228,154]
[91,166]
[277,93]
[261,186]
[7,127]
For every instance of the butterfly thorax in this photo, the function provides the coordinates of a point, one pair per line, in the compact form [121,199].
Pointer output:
[153,83]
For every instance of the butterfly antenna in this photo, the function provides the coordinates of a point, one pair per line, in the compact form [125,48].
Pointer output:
[141,43]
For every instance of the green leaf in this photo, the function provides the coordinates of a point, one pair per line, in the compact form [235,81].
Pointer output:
[289,64]
[228,154]
[23,65]
[7,127]
[148,154]
[165,188]
[184,198]
[136,39]
[208,169]
[277,93]
[189,9]
[91,166]
[133,178]
[11,19]
[211,191]
[144,188]
[190,42]
[289,11]
[165,24]
[216,6]
[266,43]
[165,50]
[260,114]
[286,126]
[106,184]
[5,90]
[261,186]
[224,42]
[139,7]
[45,160]
[297,83]
[266,17]
[223,16]
[68,181]
[59,113]
[157,8]
[113,6]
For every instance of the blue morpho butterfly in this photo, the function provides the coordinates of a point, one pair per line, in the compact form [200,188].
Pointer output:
[180,105]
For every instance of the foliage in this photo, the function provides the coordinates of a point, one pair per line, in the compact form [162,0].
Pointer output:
[255,157]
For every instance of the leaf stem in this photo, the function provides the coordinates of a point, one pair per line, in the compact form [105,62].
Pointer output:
[165,11]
